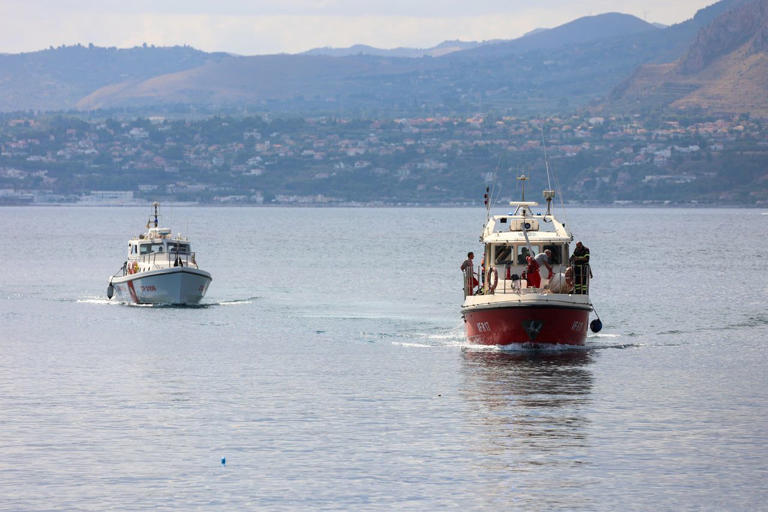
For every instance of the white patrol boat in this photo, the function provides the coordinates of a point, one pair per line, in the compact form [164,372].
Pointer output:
[160,269]
[518,302]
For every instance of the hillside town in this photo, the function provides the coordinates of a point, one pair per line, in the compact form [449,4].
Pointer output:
[598,159]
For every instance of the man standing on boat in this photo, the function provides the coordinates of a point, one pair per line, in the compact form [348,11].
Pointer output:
[580,262]
[468,267]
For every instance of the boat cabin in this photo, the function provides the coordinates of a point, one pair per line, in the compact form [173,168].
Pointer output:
[510,238]
[157,249]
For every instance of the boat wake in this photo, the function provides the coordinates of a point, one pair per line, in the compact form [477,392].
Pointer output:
[525,348]
[436,338]
[412,344]
[236,302]
[532,348]
[603,335]
[605,346]
[100,301]
[750,321]
[203,305]
[455,338]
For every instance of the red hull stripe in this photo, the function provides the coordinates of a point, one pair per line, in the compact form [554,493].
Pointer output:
[133,292]
[527,325]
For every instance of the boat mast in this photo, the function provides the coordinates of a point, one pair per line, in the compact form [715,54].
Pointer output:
[155,205]
[487,200]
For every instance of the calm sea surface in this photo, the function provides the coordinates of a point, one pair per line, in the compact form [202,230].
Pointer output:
[329,368]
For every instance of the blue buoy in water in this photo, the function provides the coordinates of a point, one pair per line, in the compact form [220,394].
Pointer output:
[596,325]
[224,461]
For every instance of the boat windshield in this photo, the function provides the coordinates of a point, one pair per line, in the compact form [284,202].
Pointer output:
[180,248]
[557,254]
[149,248]
[525,252]
[509,254]
[516,254]
[504,254]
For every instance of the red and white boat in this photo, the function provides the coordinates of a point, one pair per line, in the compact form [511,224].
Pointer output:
[504,310]
[160,269]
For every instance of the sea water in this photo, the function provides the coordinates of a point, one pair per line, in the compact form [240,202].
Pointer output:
[327,368]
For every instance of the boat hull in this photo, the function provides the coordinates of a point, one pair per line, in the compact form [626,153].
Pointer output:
[176,285]
[527,325]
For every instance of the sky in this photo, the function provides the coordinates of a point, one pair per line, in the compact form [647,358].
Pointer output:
[291,26]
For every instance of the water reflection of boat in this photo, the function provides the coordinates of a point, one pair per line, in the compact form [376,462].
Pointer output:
[575,356]
[527,421]
[530,395]
[525,373]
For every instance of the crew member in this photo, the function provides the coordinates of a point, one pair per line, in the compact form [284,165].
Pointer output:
[532,273]
[580,263]
[544,259]
[468,268]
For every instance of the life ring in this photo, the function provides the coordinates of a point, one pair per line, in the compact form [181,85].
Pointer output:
[135,267]
[493,279]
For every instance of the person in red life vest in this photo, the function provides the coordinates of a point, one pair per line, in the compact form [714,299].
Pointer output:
[468,268]
[532,273]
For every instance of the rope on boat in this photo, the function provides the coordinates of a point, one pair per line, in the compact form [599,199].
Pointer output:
[596,325]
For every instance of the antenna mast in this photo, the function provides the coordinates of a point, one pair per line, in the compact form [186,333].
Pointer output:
[523,178]
[549,194]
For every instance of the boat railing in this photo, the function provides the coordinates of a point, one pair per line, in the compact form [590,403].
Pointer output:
[566,280]
[156,260]
[470,281]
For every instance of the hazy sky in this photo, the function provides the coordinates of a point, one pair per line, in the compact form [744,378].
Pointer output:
[272,26]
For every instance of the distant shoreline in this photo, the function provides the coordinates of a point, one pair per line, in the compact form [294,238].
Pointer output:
[386,205]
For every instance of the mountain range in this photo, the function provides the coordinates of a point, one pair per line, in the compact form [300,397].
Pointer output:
[725,70]
[441,49]
[715,61]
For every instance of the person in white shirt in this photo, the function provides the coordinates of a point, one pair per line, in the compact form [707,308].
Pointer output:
[544,259]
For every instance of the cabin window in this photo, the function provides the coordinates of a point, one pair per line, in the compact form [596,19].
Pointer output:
[503,254]
[145,248]
[157,247]
[557,254]
[524,251]
[180,248]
